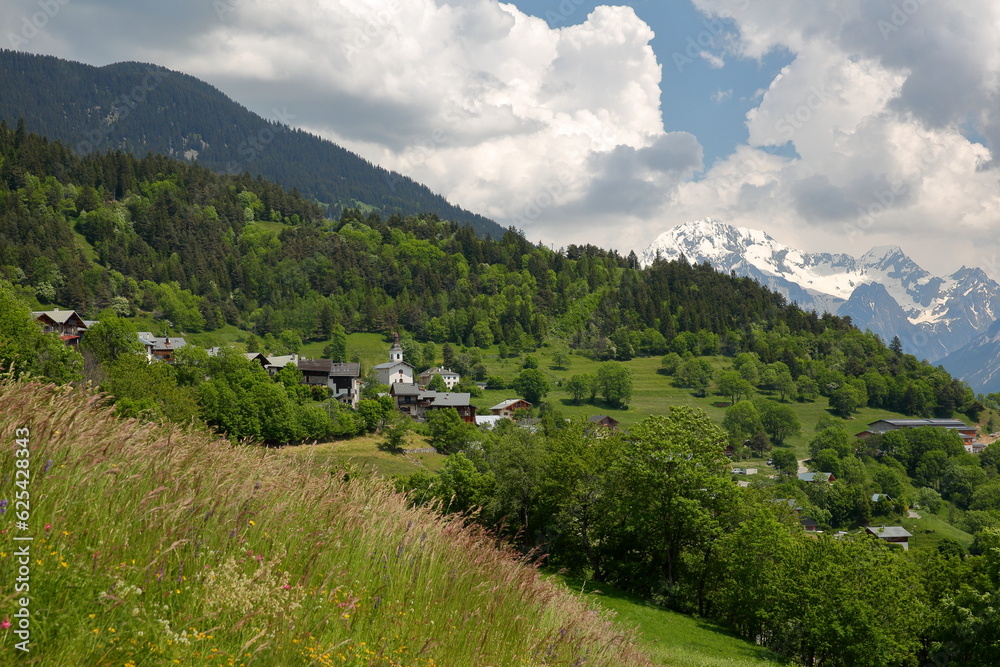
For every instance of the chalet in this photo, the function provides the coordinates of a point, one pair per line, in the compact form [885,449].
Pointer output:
[343,380]
[809,524]
[507,408]
[605,421]
[439,400]
[395,370]
[67,324]
[487,421]
[255,357]
[161,349]
[975,447]
[407,397]
[891,534]
[827,477]
[450,377]
[967,432]
[410,399]
[276,363]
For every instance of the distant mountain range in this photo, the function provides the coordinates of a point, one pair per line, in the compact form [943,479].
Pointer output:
[144,108]
[947,319]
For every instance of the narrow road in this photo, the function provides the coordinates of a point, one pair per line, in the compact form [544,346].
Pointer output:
[802,466]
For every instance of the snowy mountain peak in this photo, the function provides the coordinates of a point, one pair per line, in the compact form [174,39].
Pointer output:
[883,290]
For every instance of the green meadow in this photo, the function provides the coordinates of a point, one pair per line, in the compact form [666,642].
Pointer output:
[155,546]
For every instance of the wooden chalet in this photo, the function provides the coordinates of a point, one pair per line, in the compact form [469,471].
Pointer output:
[605,421]
[507,408]
[66,324]
[891,534]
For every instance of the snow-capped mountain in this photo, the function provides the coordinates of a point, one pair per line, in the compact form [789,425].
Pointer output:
[883,290]
[978,363]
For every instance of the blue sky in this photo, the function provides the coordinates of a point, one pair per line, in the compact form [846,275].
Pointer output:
[709,102]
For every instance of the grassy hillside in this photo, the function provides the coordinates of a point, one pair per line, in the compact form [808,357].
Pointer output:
[675,639]
[154,546]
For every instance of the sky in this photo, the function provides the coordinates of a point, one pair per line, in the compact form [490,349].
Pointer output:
[833,125]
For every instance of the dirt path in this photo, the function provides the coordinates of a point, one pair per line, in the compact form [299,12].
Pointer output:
[802,466]
[912,515]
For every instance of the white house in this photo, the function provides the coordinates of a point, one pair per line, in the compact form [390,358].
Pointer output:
[450,377]
[396,370]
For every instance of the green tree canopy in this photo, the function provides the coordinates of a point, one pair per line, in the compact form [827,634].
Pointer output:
[531,384]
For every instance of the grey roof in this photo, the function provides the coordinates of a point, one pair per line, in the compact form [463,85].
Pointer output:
[315,365]
[889,531]
[438,370]
[346,370]
[506,404]
[598,418]
[404,389]
[488,420]
[57,316]
[283,360]
[914,423]
[161,344]
[814,476]
[392,364]
[876,497]
[442,399]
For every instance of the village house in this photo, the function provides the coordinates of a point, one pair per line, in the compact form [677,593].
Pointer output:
[276,363]
[605,421]
[411,400]
[342,379]
[67,324]
[450,377]
[507,408]
[891,534]
[827,477]
[967,432]
[395,370]
[161,349]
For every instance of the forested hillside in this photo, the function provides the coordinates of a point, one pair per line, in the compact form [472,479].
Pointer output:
[141,108]
[199,250]
[654,510]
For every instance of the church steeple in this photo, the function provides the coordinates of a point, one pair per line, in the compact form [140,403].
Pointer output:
[396,351]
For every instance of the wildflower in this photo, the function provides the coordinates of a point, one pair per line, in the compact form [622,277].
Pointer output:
[48,526]
[252,523]
[6,623]
[3,506]
[48,464]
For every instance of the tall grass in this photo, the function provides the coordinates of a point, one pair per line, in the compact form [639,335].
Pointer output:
[155,546]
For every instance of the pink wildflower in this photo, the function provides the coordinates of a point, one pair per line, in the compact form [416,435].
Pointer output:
[6,623]
[48,526]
